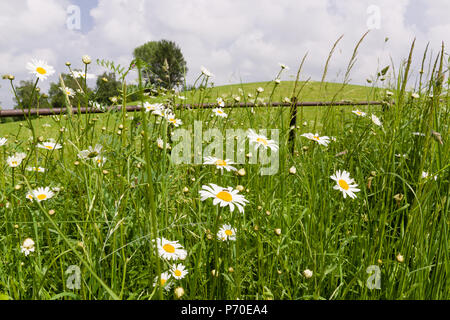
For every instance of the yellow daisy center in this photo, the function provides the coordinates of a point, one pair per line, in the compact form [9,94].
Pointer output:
[163,281]
[14,163]
[173,120]
[225,196]
[343,184]
[177,273]
[49,147]
[219,111]
[41,70]
[42,196]
[169,248]
[228,232]
[316,137]
[221,163]
[262,140]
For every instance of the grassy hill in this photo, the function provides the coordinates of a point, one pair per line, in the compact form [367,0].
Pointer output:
[312,91]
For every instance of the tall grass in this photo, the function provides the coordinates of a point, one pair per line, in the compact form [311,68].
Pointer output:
[104,219]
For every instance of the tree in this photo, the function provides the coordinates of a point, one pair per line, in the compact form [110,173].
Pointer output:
[107,87]
[24,93]
[166,64]
[57,96]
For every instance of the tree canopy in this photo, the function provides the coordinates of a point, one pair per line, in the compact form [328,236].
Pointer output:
[166,66]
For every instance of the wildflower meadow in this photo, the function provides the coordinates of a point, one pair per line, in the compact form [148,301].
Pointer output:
[195,196]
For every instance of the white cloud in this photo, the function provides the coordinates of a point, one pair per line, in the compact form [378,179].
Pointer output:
[236,40]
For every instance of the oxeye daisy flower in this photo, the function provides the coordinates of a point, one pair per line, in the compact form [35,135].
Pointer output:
[415,95]
[220,102]
[27,246]
[206,72]
[41,194]
[160,143]
[160,111]
[325,140]
[3,141]
[219,112]
[49,145]
[170,250]
[80,74]
[260,89]
[178,271]
[171,119]
[223,196]
[359,113]
[152,107]
[389,93]
[15,160]
[345,184]
[220,164]
[37,169]
[99,160]
[70,93]
[283,66]
[376,120]
[426,174]
[226,232]
[40,69]
[165,281]
[260,140]
[91,152]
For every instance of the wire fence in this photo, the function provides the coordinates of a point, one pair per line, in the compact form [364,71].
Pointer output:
[60,111]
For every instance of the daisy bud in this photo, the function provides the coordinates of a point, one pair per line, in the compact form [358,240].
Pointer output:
[103,128]
[18,187]
[398,197]
[278,231]
[249,155]
[241,172]
[214,273]
[268,214]
[68,64]
[105,171]
[185,189]
[86,59]
[369,182]
[11,77]
[279,271]
[179,292]
[373,173]
[305,148]
[400,258]
[76,163]
[307,273]
[259,208]
[292,170]
[256,228]
[239,188]
[51,212]
[121,126]
[104,79]
[380,261]
[16,226]
[193,179]
[41,138]
[119,132]
[277,81]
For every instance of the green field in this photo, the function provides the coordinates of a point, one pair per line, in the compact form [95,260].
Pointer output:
[297,237]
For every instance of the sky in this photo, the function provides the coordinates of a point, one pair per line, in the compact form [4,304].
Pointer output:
[237,40]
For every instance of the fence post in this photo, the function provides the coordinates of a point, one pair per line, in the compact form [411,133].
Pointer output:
[292,124]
